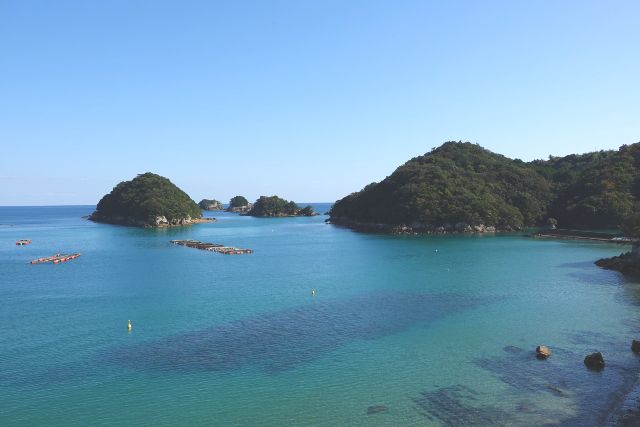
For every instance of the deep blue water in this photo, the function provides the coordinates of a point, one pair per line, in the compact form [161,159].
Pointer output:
[396,329]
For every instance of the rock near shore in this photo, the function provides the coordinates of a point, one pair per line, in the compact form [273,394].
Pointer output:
[627,263]
[594,361]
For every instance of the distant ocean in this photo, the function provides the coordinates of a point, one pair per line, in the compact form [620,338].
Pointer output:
[402,330]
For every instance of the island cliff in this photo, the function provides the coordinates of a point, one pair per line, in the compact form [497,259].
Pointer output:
[148,200]
[239,204]
[210,205]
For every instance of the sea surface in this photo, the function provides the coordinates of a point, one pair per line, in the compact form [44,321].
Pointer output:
[402,330]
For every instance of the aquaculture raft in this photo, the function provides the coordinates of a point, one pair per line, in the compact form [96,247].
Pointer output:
[55,259]
[213,247]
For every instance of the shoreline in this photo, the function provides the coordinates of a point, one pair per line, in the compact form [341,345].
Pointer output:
[421,229]
[136,223]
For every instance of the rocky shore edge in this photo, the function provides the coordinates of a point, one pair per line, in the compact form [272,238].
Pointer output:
[628,263]
[159,222]
[417,228]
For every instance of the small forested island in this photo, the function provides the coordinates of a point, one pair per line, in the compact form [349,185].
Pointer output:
[276,206]
[461,186]
[148,200]
[210,205]
[239,204]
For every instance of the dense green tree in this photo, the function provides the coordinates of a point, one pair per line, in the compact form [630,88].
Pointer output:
[463,182]
[457,182]
[238,202]
[144,198]
[631,224]
[274,206]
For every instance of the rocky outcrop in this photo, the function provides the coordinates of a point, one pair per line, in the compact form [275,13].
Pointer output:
[594,361]
[240,209]
[210,205]
[543,352]
[627,263]
[160,221]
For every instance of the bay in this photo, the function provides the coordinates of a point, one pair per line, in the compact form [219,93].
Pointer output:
[402,330]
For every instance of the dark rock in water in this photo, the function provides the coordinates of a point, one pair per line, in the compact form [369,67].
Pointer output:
[635,346]
[555,389]
[594,361]
[542,352]
[512,349]
[375,409]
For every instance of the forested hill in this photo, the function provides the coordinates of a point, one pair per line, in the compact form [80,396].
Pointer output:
[598,189]
[465,184]
[148,200]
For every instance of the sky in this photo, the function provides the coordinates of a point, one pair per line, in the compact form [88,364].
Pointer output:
[310,100]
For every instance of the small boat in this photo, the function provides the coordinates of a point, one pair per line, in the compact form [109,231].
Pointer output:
[23,242]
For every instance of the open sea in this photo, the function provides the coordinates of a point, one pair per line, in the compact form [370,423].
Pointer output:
[402,330]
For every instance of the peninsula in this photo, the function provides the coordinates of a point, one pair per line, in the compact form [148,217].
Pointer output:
[148,200]
[462,187]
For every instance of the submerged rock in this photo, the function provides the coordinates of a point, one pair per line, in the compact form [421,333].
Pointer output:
[594,361]
[512,349]
[375,409]
[542,352]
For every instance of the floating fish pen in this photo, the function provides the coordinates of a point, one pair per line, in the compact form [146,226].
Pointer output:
[213,247]
[55,259]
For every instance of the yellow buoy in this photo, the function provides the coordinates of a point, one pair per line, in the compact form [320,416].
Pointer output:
[129,325]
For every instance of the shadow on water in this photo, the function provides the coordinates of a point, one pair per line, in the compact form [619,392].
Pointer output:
[281,340]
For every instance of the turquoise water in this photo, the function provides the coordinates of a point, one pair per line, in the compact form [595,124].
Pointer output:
[413,336]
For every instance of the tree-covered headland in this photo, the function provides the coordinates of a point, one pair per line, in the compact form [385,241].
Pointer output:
[462,186]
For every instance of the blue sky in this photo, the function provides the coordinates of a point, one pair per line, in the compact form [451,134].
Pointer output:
[310,100]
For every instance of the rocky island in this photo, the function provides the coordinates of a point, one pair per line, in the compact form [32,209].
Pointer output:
[148,200]
[462,187]
[210,205]
[275,206]
[239,204]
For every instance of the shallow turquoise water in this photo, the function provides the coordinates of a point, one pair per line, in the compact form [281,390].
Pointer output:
[440,338]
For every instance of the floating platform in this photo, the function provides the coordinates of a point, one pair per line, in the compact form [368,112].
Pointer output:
[212,247]
[55,259]
[23,242]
